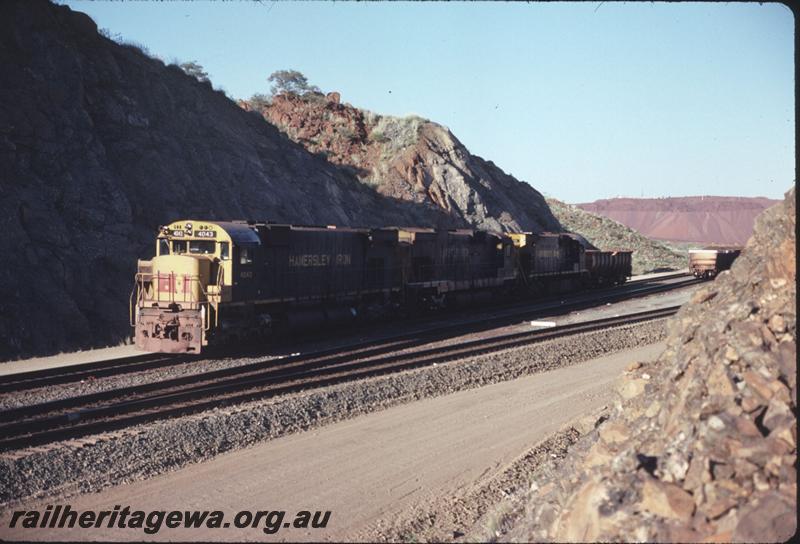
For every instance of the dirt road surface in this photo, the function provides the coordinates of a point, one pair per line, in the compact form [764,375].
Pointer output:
[366,471]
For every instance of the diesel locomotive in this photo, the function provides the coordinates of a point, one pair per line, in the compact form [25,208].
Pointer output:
[211,282]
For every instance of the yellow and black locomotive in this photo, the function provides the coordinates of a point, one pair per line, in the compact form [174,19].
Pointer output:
[213,281]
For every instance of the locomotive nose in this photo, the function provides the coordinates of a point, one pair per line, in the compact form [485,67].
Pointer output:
[170,315]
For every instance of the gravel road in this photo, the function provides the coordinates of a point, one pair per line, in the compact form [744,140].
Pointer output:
[370,471]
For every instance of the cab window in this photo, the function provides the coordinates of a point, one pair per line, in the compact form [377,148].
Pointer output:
[202,247]
[178,247]
[163,246]
[224,249]
[245,255]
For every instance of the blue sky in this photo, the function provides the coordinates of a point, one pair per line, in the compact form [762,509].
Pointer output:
[582,100]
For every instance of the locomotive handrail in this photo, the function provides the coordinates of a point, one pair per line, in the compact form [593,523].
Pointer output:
[131,303]
[220,276]
[205,317]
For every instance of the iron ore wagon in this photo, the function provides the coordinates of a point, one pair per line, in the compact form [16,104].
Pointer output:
[707,263]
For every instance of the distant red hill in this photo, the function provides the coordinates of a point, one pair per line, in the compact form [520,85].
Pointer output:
[701,219]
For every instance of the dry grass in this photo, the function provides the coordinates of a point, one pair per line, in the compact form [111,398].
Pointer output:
[396,133]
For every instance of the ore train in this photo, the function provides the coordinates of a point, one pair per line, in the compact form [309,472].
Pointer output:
[212,282]
[708,262]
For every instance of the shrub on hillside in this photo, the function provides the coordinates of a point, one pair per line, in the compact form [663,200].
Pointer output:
[136,46]
[313,97]
[290,82]
[370,118]
[113,36]
[195,70]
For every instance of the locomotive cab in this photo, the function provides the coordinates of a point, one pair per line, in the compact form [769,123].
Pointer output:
[177,295]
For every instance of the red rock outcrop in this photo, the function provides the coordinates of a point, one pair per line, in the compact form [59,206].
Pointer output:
[700,219]
[410,159]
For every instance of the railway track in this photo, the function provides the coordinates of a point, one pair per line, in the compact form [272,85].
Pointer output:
[111,410]
[85,371]
[664,276]
[503,315]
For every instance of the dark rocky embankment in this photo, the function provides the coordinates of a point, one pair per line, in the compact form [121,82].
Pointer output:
[702,445]
[100,144]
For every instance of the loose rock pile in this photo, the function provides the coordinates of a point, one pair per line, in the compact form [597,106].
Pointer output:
[722,220]
[607,234]
[702,444]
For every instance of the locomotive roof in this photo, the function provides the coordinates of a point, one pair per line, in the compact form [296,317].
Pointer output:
[296,226]
[240,233]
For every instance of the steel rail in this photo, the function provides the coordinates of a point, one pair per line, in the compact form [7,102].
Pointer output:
[33,379]
[659,278]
